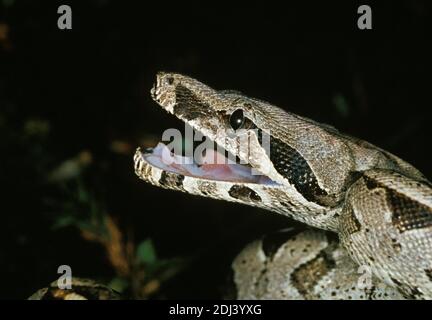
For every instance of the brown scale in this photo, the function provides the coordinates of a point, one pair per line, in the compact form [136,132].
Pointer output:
[188,106]
[169,180]
[307,275]
[292,166]
[244,193]
[407,213]
[350,220]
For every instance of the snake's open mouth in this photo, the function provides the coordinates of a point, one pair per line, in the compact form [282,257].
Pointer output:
[212,166]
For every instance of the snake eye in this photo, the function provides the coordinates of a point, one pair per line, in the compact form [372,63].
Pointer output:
[237,119]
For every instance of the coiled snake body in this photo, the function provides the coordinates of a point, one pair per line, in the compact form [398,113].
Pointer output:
[372,212]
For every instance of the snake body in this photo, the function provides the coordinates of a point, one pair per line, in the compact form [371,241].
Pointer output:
[370,211]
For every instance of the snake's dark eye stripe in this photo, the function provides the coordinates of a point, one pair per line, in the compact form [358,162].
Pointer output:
[237,119]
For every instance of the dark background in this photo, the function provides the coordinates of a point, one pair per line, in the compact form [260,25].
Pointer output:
[65,92]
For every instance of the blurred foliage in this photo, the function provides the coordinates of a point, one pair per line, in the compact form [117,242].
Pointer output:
[69,202]
[139,271]
[341,105]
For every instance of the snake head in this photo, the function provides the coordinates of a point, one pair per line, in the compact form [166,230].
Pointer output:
[247,160]
[227,118]
[311,162]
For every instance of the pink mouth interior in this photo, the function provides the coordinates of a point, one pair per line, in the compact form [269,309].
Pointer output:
[215,166]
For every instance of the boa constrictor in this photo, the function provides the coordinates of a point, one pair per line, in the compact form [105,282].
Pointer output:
[374,209]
